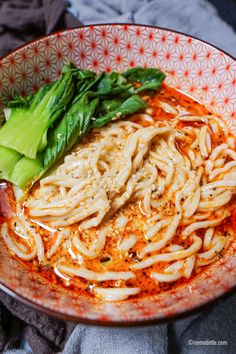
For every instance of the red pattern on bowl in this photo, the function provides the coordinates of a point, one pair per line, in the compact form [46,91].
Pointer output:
[193,66]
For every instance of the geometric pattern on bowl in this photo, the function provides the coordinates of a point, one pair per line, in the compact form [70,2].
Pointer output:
[193,66]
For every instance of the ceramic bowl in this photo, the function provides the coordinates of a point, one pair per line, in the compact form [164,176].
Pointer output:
[193,66]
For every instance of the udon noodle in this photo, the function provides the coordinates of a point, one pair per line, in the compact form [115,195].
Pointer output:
[142,200]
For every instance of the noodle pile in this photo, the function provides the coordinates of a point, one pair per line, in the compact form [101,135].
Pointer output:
[170,172]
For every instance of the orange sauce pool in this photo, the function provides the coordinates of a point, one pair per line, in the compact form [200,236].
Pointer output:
[110,261]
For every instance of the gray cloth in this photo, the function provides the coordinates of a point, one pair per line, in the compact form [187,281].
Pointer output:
[25,20]
[198,334]
[195,17]
[217,323]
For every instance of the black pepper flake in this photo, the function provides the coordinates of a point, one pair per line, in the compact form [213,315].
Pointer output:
[133,254]
[105,259]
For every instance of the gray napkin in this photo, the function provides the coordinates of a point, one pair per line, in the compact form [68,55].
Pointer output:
[25,20]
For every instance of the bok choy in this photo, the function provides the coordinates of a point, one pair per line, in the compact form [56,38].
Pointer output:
[34,116]
[42,127]
[8,159]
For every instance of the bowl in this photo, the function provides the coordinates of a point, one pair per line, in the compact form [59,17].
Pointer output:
[193,66]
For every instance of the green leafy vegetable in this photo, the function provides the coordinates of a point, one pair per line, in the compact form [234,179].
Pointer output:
[114,84]
[8,159]
[149,78]
[25,170]
[74,125]
[107,106]
[34,116]
[42,127]
[19,101]
[132,105]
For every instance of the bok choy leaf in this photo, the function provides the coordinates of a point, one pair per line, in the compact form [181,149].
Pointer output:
[149,78]
[72,127]
[132,105]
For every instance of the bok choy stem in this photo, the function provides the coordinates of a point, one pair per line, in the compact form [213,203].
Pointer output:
[33,119]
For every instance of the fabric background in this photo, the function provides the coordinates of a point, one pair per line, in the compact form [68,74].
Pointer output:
[33,332]
[24,20]
[195,17]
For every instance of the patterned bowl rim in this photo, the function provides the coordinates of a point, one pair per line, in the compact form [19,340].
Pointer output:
[76,319]
[135,323]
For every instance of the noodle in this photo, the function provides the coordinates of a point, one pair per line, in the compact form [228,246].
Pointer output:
[126,244]
[140,198]
[116,294]
[167,257]
[90,275]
